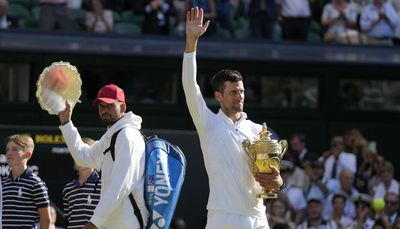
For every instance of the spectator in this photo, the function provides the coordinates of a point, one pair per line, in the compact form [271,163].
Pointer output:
[363,212]
[292,195]
[99,20]
[157,17]
[54,15]
[262,15]
[367,169]
[396,36]
[338,216]
[314,217]
[336,146]
[5,21]
[224,14]
[279,213]
[23,183]
[81,195]
[346,180]
[338,161]
[378,20]
[387,183]
[318,187]
[391,210]
[295,16]
[297,147]
[340,19]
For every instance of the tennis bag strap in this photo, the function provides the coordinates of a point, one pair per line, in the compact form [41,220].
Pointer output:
[111,149]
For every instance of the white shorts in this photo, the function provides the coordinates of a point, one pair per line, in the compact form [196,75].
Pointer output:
[223,220]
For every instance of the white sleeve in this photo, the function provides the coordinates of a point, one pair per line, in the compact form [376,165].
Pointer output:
[83,154]
[198,109]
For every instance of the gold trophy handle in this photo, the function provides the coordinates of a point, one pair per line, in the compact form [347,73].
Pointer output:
[284,145]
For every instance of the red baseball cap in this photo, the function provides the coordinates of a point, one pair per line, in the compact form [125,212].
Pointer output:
[110,93]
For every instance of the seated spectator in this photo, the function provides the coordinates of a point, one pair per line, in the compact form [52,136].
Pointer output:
[337,145]
[99,20]
[338,216]
[340,19]
[314,217]
[278,213]
[388,183]
[346,180]
[363,212]
[157,17]
[293,196]
[378,21]
[54,15]
[319,187]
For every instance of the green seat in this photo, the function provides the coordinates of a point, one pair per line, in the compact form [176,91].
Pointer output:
[241,22]
[129,16]
[241,33]
[222,33]
[127,28]
[18,11]
[24,3]
[28,23]
[78,15]
[116,17]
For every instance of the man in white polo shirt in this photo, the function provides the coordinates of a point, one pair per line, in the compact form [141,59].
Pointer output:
[232,201]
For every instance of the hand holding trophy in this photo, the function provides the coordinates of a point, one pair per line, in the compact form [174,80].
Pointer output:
[58,83]
[265,153]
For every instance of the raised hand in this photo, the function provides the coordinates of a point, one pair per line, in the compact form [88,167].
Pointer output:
[65,115]
[194,28]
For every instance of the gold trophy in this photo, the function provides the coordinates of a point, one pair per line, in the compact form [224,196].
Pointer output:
[263,153]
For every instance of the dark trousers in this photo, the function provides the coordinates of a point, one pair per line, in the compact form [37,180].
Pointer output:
[53,16]
[295,28]
[262,27]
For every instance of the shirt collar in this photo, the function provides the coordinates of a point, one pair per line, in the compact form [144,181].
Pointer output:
[27,173]
[221,114]
[92,178]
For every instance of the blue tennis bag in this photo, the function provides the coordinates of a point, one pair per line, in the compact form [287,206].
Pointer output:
[164,174]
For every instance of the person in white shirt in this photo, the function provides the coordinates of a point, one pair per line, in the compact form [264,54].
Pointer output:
[121,175]
[232,201]
[378,21]
[4,21]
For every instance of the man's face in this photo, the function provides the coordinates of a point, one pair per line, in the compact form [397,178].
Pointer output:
[296,145]
[391,203]
[110,113]
[232,98]
[314,210]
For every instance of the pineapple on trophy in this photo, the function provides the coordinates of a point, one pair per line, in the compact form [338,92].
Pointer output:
[265,153]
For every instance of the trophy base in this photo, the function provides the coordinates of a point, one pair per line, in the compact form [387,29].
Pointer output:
[267,195]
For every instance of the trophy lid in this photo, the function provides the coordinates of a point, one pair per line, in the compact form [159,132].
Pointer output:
[58,83]
[265,135]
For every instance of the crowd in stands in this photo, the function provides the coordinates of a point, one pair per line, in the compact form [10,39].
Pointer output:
[332,21]
[350,185]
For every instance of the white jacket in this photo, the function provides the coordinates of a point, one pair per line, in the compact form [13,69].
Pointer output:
[119,178]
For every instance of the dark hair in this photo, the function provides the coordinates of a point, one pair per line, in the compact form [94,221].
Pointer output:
[300,136]
[218,80]
[340,196]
